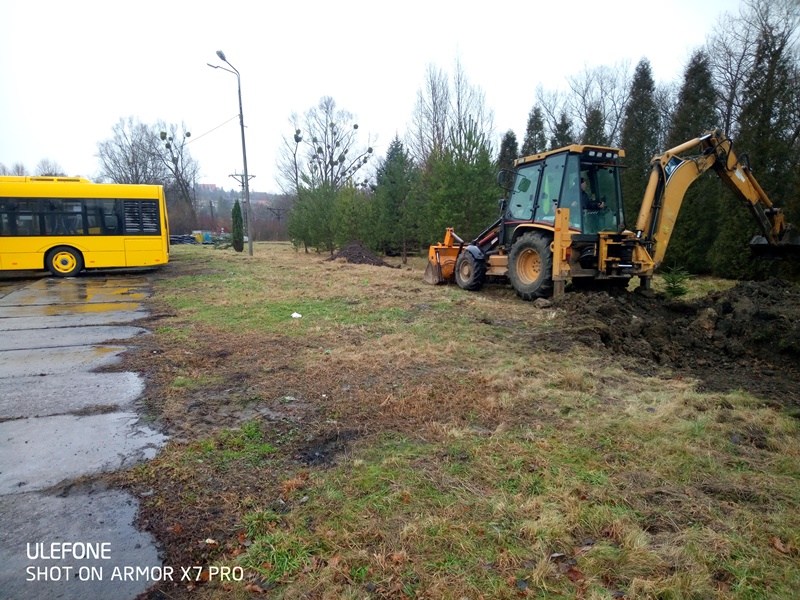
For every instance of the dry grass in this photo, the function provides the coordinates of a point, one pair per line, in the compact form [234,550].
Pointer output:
[401,440]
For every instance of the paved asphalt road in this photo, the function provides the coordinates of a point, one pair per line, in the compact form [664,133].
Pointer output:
[63,534]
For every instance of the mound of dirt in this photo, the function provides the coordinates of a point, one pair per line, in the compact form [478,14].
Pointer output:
[355,253]
[747,337]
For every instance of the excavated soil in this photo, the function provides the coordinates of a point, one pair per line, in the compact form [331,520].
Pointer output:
[747,337]
[355,253]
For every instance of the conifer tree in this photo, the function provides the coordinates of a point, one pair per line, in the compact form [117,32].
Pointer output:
[699,217]
[595,132]
[509,151]
[237,228]
[638,139]
[460,188]
[535,140]
[396,216]
[562,133]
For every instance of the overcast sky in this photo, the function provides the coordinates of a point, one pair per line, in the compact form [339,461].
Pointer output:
[71,69]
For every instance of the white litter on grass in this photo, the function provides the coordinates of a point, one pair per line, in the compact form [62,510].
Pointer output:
[296,315]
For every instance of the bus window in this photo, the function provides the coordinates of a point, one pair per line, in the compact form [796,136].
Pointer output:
[27,216]
[102,217]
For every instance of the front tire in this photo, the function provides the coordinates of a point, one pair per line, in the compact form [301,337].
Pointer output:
[530,266]
[64,261]
[470,272]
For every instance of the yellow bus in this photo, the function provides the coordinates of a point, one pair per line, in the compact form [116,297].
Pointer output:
[67,224]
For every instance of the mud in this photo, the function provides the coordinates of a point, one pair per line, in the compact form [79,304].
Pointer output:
[747,337]
[355,253]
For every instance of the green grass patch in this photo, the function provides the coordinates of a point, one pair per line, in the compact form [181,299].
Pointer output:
[246,443]
[483,465]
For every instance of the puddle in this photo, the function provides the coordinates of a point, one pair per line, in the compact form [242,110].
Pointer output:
[75,291]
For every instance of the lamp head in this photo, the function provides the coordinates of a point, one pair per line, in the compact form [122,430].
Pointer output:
[221,55]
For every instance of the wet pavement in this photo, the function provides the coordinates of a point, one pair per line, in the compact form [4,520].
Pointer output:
[63,533]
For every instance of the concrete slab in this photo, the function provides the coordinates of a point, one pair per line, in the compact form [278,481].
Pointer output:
[100,517]
[68,336]
[51,361]
[83,446]
[52,331]
[13,323]
[68,393]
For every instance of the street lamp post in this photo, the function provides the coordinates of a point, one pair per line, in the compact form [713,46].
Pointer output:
[248,208]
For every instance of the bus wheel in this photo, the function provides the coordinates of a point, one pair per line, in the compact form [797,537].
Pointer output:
[63,261]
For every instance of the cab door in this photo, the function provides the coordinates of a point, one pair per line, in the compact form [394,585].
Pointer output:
[544,212]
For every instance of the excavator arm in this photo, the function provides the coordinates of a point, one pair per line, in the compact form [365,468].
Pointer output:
[671,176]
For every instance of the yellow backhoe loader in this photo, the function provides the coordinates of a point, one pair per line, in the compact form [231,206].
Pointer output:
[564,219]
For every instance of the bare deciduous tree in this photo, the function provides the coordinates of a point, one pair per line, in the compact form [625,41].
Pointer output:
[19,169]
[445,114]
[732,49]
[323,151]
[178,161]
[132,154]
[429,122]
[599,94]
[553,105]
[666,98]
[49,168]
[469,114]
[183,170]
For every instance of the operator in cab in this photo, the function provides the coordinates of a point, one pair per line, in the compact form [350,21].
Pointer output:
[587,201]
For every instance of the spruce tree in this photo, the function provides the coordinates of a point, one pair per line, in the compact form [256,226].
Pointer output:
[595,132]
[509,151]
[562,133]
[638,139]
[535,140]
[395,217]
[237,229]
[699,217]
[460,187]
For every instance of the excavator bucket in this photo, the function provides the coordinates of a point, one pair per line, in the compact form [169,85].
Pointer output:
[442,259]
[787,248]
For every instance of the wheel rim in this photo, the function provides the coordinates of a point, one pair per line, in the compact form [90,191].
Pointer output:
[64,262]
[465,271]
[529,266]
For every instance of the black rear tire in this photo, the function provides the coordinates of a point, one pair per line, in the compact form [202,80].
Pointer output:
[64,261]
[530,266]
[470,272]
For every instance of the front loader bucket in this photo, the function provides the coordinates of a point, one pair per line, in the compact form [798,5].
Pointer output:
[433,274]
[441,264]
[442,259]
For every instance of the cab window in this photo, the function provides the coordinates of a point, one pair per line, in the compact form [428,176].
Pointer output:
[520,205]
[550,190]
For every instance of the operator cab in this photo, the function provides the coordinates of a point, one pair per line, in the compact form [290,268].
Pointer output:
[551,180]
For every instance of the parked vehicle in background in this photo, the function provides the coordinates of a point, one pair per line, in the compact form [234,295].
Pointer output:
[67,224]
